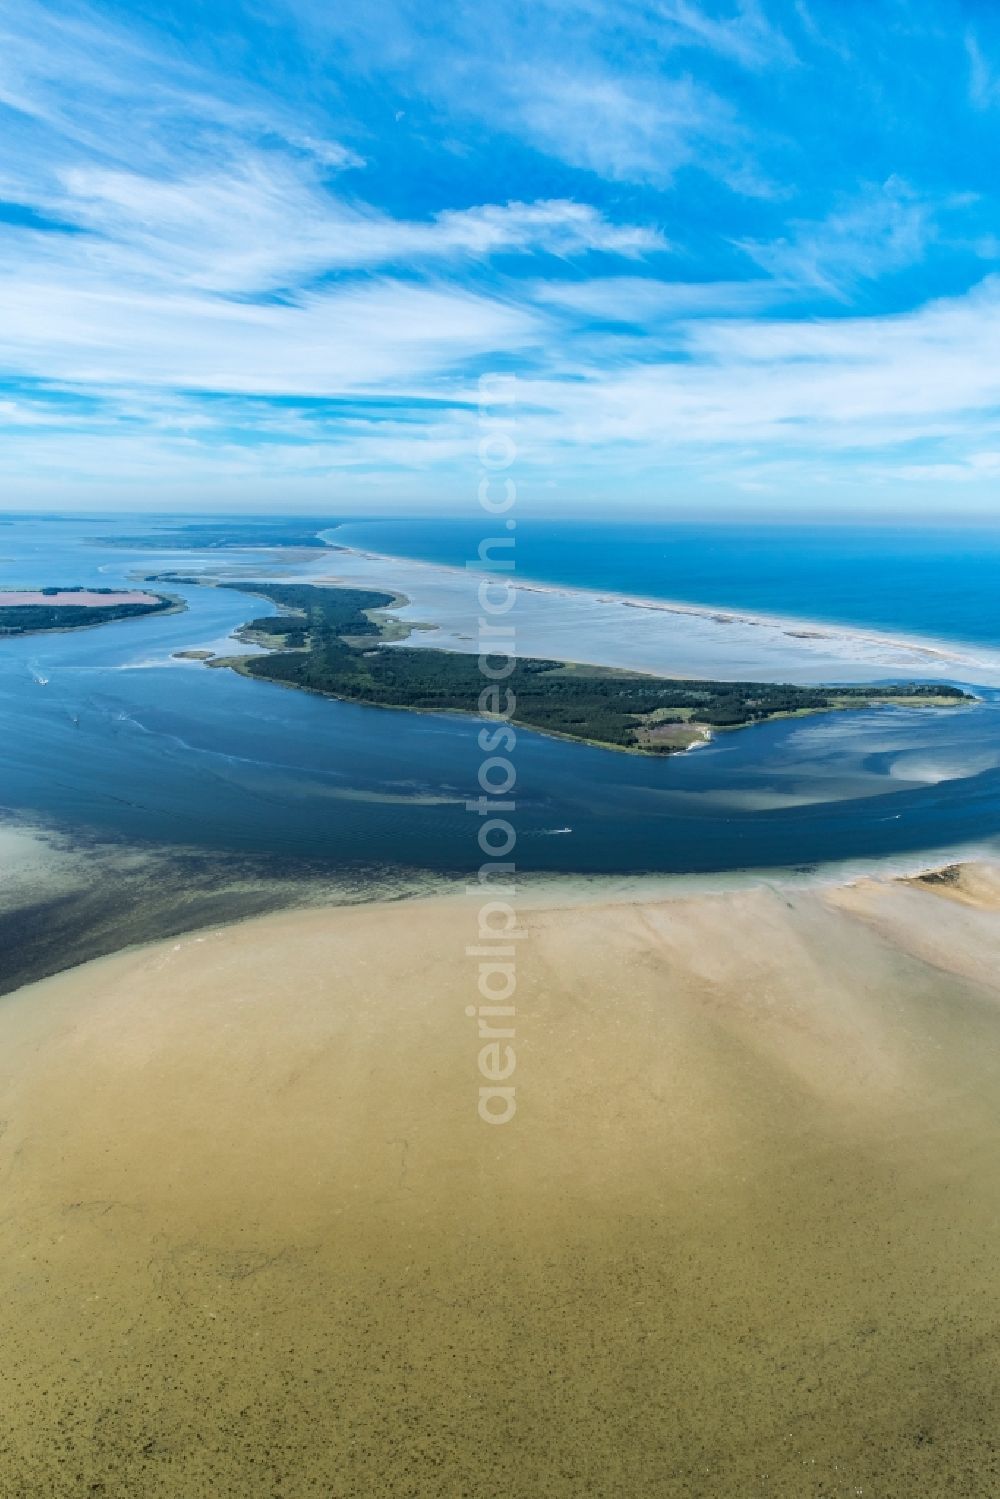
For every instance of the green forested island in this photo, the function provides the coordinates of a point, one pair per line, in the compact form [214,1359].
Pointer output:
[331,640]
[19,618]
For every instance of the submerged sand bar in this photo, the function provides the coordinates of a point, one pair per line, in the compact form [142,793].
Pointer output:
[739,1240]
[671,639]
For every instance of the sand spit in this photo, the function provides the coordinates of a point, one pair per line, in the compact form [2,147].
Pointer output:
[739,1240]
[794,627]
[669,637]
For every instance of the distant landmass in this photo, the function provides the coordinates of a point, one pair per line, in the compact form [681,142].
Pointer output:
[28,611]
[333,641]
[200,536]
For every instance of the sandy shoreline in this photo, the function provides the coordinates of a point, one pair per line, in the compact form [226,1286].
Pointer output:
[938,654]
[739,1239]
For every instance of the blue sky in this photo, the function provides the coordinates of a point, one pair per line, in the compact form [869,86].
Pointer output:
[739,255]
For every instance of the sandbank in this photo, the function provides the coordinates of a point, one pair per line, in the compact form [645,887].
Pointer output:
[739,1239]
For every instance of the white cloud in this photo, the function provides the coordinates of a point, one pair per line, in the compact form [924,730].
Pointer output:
[609,88]
[884,228]
[636,128]
[626,131]
[984,85]
[559,226]
[747,36]
[260,224]
[973,467]
[333,341]
[329,154]
[745,401]
[831,383]
[647,301]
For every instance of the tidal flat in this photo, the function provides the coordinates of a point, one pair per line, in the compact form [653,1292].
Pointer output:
[71,897]
[738,1240]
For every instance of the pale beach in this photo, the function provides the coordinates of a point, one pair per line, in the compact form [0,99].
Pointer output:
[739,1238]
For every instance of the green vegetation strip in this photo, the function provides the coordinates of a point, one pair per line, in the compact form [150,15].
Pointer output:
[200,536]
[30,619]
[331,642]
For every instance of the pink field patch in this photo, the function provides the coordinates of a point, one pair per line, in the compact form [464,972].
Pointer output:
[83,599]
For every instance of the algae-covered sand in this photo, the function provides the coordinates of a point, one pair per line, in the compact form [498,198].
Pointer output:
[740,1239]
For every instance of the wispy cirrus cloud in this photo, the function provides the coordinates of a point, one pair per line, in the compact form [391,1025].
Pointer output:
[746,35]
[649,302]
[984,76]
[605,88]
[636,131]
[379,334]
[884,227]
[265,220]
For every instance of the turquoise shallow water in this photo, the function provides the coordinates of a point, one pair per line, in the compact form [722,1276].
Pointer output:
[107,735]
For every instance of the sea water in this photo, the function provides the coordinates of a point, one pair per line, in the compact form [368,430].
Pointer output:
[108,734]
[924,580]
